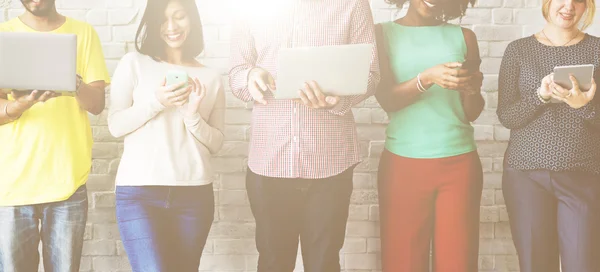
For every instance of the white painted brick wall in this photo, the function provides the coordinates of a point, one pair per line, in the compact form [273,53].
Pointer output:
[231,244]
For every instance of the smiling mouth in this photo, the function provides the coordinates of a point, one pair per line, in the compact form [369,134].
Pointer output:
[174,37]
[566,16]
[428,4]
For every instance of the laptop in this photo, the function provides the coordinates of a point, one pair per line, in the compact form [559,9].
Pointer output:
[38,61]
[340,70]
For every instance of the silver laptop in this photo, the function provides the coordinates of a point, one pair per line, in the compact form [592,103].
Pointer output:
[341,70]
[38,61]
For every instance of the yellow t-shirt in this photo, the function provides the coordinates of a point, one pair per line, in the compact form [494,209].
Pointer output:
[46,154]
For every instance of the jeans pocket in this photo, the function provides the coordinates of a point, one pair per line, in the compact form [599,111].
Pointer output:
[79,196]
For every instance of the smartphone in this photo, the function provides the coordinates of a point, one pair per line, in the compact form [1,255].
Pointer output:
[583,73]
[176,77]
[471,64]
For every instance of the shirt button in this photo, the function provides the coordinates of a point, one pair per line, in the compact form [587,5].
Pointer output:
[296,139]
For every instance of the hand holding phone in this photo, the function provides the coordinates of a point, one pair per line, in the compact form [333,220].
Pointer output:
[175,89]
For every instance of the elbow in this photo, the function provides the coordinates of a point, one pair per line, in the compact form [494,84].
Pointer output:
[217,143]
[505,121]
[242,94]
[96,111]
[386,103]
[114,130]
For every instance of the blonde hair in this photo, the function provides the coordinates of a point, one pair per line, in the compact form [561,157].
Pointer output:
[588,17]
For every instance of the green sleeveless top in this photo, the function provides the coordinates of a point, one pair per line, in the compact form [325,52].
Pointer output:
[435,126]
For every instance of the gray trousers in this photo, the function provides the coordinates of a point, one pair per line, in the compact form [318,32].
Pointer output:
[554,219]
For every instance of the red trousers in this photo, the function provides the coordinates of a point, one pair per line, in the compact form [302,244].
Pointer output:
[426,202]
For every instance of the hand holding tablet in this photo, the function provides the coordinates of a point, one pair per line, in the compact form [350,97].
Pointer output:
[573,85]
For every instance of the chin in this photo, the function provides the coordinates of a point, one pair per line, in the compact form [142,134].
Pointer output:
[566,25]
[174,45]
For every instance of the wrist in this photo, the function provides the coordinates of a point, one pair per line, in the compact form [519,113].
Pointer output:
[13,110]
[426,79]
[541,97]
[79,84]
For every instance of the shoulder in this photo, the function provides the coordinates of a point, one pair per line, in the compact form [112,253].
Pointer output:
[468,33]
[132,59]
[521,43]
[514,48]
[361,3]
[82,28]
[9,25]
[361,7]
[593,39]
[470,36]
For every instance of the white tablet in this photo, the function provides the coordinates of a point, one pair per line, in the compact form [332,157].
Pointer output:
[583,73]
[38,61]
[340,70]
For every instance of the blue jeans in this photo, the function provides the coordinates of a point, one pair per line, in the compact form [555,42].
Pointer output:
[164,228]
[61,233]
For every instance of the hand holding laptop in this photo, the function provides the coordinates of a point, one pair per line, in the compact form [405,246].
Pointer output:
[312,96]
[25,100]
[260,81]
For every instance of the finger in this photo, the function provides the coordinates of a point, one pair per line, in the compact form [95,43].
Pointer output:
[318,93]
[547,81]
[192,83]
[575,84]
[304,98]
[462,80]
[559,89]
[453,65]
[179,99]
[559,98]
[164,82]
[462,72]
[454,79]
[271,82]
[45,96]
[181,92]
[256,94]
[589,95]
[32,96]
[261,84]
[332,100]
[203,91]
[309,92]
[199,84]
[179,103]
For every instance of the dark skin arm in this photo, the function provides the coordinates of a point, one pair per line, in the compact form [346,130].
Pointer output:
[472,100]
[91,97]
[391,95]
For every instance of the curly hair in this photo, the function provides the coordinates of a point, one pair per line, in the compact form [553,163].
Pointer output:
[451,9]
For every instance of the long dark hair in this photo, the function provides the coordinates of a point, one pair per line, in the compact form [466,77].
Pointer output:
[148,40]
[451,9]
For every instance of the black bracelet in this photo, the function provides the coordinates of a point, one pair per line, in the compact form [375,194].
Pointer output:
[78,84]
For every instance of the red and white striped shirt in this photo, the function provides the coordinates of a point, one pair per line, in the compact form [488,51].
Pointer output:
[290,140]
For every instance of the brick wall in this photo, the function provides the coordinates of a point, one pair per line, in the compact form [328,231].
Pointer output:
[231,244]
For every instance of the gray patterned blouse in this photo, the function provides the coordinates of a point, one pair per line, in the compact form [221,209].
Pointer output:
[548,136]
